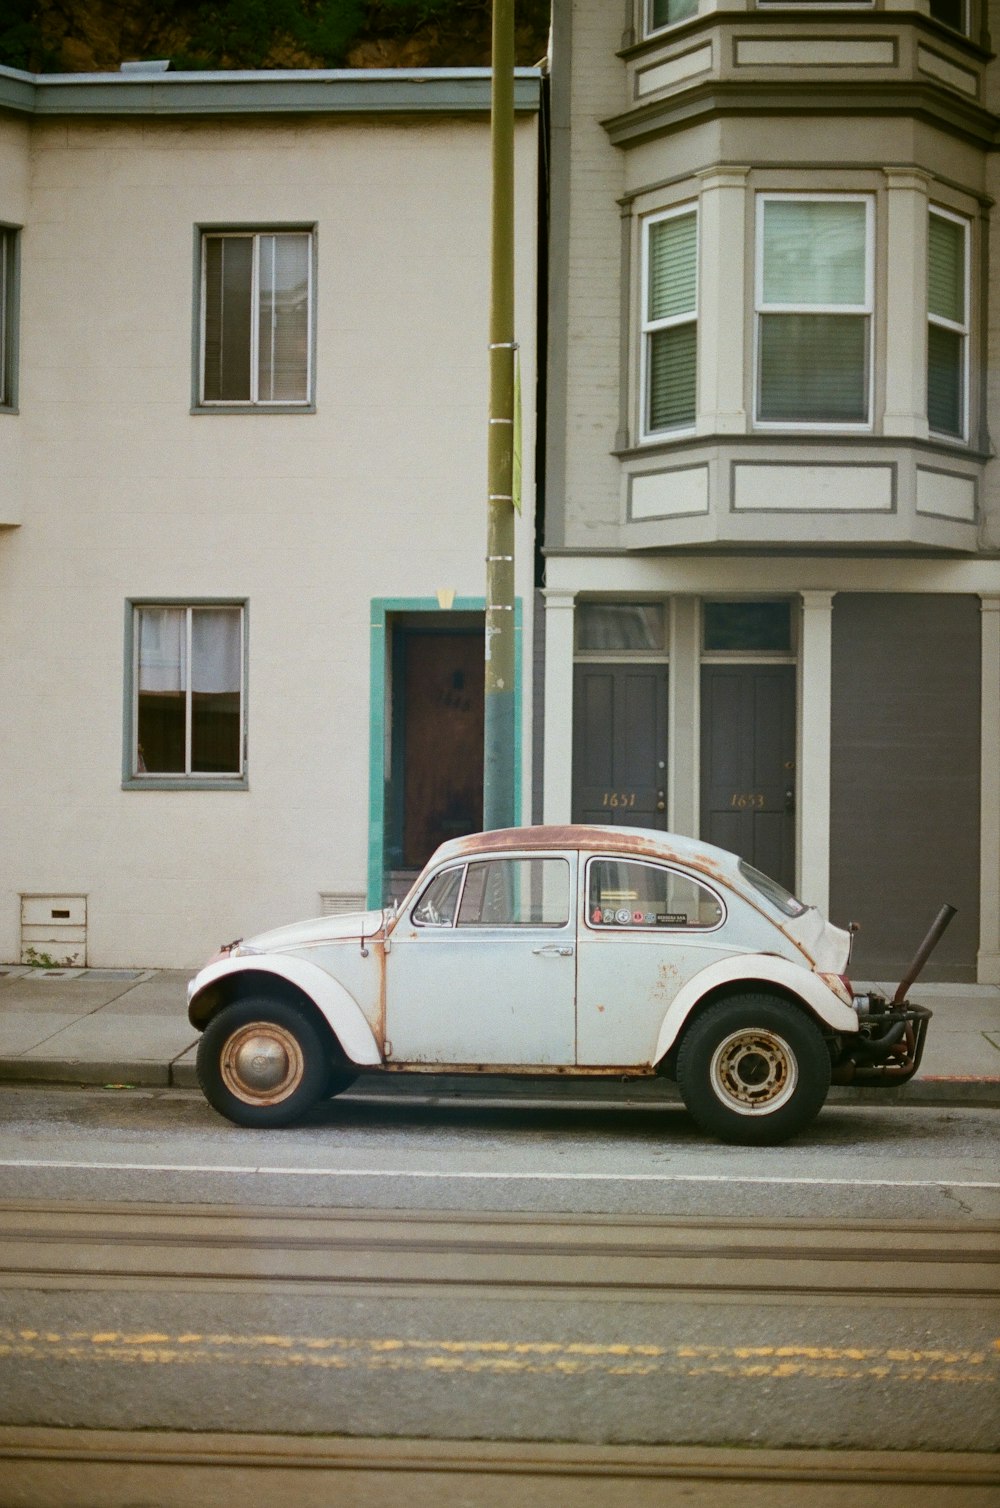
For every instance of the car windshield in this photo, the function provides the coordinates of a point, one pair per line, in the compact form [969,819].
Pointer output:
[775,893]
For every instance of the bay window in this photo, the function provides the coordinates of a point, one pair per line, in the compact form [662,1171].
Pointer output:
[814,303]
[948,324]
[256,318]
[660,13]
[670,321]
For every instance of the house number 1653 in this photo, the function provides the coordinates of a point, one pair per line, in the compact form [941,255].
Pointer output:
[744,799]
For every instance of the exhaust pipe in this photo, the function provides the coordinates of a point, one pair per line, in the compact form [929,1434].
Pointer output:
[924,952]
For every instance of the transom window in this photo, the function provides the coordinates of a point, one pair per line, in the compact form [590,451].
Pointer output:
[948,324]
[747,627]
[256,317]
[620,627]
[670,321]
[629,893]
[497,893]
[814,301]
[187,701]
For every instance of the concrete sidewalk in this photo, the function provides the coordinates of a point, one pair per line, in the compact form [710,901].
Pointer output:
[130,1027]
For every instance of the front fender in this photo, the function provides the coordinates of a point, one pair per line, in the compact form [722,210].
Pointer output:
[755,970]
[340,1009]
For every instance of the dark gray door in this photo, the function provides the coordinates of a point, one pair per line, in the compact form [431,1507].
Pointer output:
[748,764]
[620,744]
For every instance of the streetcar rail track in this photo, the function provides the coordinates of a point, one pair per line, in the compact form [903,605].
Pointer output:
[556,1253]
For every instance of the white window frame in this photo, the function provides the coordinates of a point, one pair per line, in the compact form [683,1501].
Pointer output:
[649,327]
[187,778]
[254,235]
[867,309]
[958,329]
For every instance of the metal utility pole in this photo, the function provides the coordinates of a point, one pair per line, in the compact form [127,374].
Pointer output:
[498,739]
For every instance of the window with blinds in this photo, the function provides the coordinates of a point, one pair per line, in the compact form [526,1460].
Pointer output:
[670,324]
[814,310]
[256,317]
[660,13]
[948,324]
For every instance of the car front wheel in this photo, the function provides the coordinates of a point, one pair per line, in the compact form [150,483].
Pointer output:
[262,1063]
[753,1069]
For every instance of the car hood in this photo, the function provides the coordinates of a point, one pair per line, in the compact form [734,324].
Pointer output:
[318,930]
[828,947]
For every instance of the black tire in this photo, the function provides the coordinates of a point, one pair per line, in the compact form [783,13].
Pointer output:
[753,1069]
[339,1078]
[262,1063]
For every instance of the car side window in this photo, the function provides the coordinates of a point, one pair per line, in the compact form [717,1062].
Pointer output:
[436,906]
[516,893]
[628,893]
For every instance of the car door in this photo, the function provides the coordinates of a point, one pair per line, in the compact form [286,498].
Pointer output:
[646,929]
[482,968]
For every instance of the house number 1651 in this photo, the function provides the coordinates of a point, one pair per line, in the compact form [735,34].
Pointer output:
[619,798]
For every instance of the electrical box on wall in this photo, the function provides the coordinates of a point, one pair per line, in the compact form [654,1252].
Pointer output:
[54,930]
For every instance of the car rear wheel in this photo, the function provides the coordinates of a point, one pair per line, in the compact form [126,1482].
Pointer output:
[262,1063]
[753,1069]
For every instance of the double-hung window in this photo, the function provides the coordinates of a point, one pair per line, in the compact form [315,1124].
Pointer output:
[670,322]
[8,246]
[661,13]
[948,324]
[186,713]
[256,318]
[814,301]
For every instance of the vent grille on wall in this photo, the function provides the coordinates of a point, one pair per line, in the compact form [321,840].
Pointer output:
[54,930]
[341,902]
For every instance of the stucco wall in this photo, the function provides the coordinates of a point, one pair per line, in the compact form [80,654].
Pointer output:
[380,492]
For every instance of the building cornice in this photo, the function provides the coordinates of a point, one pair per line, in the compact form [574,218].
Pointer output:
[429,91]
[719,97]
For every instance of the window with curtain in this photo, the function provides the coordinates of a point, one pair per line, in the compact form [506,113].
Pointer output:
[256,317]
[6,317]
[814,310]
[188,691]
[670,322]
[660,13]
[948,324]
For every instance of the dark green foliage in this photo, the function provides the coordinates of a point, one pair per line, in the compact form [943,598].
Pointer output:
[260,33]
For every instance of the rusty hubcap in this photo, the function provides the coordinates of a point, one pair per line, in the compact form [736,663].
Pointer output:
[753,1071]
[262,1063]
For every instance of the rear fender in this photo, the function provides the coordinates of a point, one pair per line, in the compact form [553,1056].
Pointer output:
[208,991]
[755,971]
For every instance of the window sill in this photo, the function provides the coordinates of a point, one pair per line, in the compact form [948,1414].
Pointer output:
[253,408]
[186,783]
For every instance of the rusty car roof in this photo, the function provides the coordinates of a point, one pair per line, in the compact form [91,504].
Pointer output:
[637,842]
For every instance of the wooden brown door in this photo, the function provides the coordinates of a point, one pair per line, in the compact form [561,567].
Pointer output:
[748,764]
[620,745]
[441,740]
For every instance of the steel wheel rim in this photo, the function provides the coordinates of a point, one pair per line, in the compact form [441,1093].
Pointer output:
[262,1063]
[754,1071]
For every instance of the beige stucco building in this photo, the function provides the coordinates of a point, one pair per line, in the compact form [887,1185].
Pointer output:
[242,494]
[772,526]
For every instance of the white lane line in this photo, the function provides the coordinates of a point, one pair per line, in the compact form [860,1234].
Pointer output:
[488,1175]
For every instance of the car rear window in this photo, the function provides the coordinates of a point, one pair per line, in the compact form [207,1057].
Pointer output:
[772,891]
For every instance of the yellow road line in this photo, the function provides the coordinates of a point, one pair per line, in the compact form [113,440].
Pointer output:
[441,1357]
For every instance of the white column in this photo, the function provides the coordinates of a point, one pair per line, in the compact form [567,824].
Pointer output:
[557,761]
[988,970]
[813,762]
[722,262]
[906,305]
[684,732]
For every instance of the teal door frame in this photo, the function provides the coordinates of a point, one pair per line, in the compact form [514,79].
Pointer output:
[382,608]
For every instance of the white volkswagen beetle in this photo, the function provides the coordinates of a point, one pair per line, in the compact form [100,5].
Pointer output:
[558,952]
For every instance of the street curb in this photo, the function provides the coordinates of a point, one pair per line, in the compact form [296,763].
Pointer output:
[972,1093]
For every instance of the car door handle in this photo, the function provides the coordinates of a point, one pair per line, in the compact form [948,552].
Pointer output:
[554,950]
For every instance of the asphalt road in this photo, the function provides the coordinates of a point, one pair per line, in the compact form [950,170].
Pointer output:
[522,1274]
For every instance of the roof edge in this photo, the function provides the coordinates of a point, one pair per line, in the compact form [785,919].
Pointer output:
[273,91]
